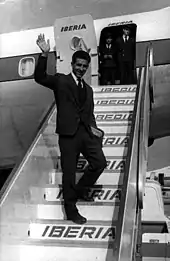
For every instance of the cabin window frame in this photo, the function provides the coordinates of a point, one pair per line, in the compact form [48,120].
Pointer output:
[20,69]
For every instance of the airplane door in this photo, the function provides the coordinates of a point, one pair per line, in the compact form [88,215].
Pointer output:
[72,34]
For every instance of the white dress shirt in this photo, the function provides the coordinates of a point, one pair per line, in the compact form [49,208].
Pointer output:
[125,37]
[75,78]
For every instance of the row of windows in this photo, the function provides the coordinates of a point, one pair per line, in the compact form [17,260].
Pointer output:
[27,64]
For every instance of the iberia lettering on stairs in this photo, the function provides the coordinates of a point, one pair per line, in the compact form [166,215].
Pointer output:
[104,194]
[115,140]
[120,116]
[118,102]
[119,89]
[112,164]
[75,232]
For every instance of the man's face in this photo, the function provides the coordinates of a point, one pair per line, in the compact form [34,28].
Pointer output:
[109,40]
[126,31]
[79,67]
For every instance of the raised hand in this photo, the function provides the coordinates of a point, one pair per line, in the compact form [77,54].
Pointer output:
[43,45]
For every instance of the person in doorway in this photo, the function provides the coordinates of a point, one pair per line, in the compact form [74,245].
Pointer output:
[108,61]
[126,56]
[76,127]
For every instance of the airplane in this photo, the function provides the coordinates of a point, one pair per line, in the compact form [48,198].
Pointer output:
[23,57]
[24,103]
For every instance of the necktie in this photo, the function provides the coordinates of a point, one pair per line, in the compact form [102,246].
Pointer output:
[126,38]
[80,83]
[81,92]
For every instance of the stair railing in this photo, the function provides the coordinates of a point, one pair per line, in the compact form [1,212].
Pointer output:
[147,99]
[136,164]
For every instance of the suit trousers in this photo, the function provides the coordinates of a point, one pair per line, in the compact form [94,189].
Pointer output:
[70,148]
[108,75]
[126,72]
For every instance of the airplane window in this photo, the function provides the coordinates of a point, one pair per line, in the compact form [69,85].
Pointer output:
[78,43]
[75,43]
[26,66]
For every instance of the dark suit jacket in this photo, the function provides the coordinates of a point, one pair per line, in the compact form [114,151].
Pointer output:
[110,61]
[69,111]
[126,51]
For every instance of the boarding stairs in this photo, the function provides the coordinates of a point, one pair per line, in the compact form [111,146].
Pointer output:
[34,225]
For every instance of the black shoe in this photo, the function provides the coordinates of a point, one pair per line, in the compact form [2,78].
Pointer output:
[77,218]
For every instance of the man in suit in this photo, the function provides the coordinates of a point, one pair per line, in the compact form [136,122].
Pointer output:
[75,122]
[126,56]
[108,61]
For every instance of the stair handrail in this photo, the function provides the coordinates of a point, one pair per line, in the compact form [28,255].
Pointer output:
[147,98]
[133,196]
[151,72]
[17,168]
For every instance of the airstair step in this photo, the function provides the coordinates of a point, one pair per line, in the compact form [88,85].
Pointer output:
[98,193]
[118,89]
[118,130]
[44,165]
[109,116]
[112,108]
[53,151]
[114,104]
[108,140]
[43,250]
[50,130]
[94,233]
[55,210]
[113,117]
[55,178]
[59,233]
[112,95]
[48,171]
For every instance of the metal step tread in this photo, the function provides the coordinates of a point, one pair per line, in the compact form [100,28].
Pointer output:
[113,101]
[68,222]
[53,210]
[113,117]
[60,203]
[115,165]
[54,193]
[115,88]
[114,130]
[107,94]
[96,186]
[68,232]
[110,177]
[109,139]
[53,151]
[43,250]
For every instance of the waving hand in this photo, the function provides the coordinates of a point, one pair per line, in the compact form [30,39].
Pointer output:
[43,44]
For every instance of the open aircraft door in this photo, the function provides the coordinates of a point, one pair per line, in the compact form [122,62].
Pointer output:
[72,34]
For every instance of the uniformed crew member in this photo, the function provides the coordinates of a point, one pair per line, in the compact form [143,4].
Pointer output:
[126,56]
[108,61]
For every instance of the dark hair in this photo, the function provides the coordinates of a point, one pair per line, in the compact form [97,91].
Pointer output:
[109,35]
[82,55]
[126,27]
